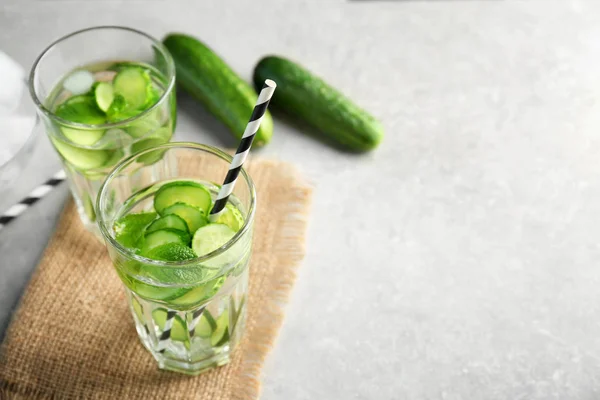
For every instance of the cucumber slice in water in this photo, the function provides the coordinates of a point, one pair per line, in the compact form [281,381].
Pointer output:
[115,157]
[88,207]
[232,217]
[236,311]
[211,237]
[152,156]
[200,293]
[188,192]
[82,159]
[206,325]
[178,330]
[164,236]
[193,217]
[156,293]
[221,334]
[105,95]
[168,221]
[132,84]
[137,308]
[144,126]
[82,137]
[161,136]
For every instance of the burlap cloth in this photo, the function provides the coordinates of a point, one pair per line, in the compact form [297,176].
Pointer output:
[72,336]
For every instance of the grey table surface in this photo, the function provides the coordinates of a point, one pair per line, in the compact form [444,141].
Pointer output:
[460,259]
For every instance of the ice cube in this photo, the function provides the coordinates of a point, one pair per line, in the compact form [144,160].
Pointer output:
[12,81]
[79,82]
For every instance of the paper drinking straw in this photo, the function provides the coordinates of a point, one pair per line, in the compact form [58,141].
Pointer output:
[163,340]
[244,147]
[236,165]
[195,319]
[36,194]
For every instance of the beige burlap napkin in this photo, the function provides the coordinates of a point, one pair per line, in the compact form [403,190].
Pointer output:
[72,336]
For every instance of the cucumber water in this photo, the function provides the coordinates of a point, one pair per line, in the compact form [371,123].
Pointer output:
[167,228]
[103,112]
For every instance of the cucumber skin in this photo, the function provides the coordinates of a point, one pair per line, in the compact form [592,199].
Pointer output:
[212,82]
[303,95]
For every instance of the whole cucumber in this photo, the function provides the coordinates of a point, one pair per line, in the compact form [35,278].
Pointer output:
[303,95]
[203,74]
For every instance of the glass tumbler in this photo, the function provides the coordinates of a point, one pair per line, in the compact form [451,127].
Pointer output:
[189,314]
[89,152]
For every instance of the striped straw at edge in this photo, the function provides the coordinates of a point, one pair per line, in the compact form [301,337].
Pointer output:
[36,194]
[244,147]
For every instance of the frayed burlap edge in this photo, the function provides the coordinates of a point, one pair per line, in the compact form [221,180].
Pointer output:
[291,244]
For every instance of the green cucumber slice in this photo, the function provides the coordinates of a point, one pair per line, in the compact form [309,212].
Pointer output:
[168,221]
[88,207]
[81,109]
[161,136]
[193,217]
[163,236]
[206,325]
[145,125]
[157,293]
[232,217]
[83,137]
[130,228]
[115,157]
[211,237]
[81,159]
[132,84]
[104,94]
[188,192]
[152,156]
[200,293]
[171,252]
[221,334]
[178,330]
[237,311]
[137,308]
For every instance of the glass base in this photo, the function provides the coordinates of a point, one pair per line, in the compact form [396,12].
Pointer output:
[197,339]
[193,367]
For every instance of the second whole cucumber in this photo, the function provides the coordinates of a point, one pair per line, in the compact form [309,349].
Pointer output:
[308,98]
[204,75]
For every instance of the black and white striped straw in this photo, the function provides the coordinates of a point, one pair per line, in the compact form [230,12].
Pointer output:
[234,170]
[163,340]
[244,147]
[196,315]
[36,194]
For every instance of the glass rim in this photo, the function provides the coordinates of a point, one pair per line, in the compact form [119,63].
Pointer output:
[102,223]
[40,104]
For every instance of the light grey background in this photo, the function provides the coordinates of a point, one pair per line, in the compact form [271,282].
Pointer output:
[460,259]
